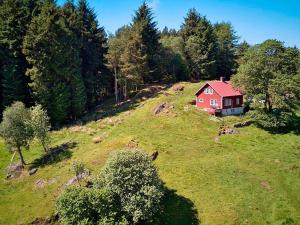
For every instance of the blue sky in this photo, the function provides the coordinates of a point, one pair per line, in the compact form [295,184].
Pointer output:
[254,20]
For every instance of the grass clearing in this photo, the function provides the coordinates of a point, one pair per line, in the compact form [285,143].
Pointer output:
[249,178]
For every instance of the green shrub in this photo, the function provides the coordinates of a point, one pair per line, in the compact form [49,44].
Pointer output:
[79,205]
[274,120]
[133,177]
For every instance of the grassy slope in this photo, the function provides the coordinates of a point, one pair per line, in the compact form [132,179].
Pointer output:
[250,178]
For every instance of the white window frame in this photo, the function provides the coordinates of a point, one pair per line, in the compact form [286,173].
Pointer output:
[208,91]
[213,102]
[200,100]
[237,101]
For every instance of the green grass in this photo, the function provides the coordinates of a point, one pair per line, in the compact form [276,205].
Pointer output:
[249,178]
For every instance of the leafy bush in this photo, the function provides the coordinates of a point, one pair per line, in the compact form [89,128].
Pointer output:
[79,205]
[133,177]
[275,120]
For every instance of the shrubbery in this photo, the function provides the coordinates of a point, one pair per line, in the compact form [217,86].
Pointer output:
[127,191]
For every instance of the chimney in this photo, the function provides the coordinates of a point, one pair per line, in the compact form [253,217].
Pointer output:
[222,79]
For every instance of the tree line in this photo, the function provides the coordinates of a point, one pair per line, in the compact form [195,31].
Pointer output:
[60,56]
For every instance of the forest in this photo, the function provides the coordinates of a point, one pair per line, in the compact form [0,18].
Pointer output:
[58,65]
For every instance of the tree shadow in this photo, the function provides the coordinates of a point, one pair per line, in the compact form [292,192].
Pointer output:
[292,127]
[177,210]
[55,155]
[109,108]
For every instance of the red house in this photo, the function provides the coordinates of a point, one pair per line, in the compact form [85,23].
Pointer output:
[220,98]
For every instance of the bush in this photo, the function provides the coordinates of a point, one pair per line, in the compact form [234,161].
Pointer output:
[274,120]
[78,205]
[133,177]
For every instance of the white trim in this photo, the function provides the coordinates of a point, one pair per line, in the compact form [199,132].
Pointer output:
[214,102]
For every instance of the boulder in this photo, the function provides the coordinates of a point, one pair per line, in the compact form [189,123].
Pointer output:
[163,108]
[242,124]
[154,155]
[32,171]
[14,170]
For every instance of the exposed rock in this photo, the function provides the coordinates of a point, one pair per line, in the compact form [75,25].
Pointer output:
[14,170]
[77,178]
[46,221]
[154,155]
[178,88]
[32,171]
[163,108]
[243,124]
[225,130]
[40,183]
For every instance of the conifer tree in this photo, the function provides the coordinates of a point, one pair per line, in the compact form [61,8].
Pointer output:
[15,16]
[227,43]
[92,48]
[200,46]
[51,49]
[147,28]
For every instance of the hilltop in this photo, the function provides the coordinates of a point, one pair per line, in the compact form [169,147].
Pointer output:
[246,178]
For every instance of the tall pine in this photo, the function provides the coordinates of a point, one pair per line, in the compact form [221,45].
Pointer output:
[51,50]
[92,50]
[15,17]
[147,28]
[200,46]
[227,44]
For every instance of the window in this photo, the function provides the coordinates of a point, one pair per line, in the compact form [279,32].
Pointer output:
[237,101]
[227,102]
[200,100]
[213,102]
[208,91]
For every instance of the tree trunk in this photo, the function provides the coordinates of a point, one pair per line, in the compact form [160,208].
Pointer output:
[269,103]
[125,90]
[21,156]
[116,86]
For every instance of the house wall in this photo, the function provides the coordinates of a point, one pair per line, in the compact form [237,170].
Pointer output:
[206,99]
[233,102]
[232,111]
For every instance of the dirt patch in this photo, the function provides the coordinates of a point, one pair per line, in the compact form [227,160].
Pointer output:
[227,130]
[112,121]
[178,88]
[83,129]
[100,138]
[133,143]
[164,108]
[266,185]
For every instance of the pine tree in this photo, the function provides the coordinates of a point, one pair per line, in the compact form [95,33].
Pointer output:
[92,48]
[143,23]
[51,49]
[15,16]
[227,43]
[200,46]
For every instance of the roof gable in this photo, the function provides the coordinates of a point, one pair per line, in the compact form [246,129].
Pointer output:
[223,88]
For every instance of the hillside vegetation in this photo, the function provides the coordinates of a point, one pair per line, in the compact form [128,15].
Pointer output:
[248,178]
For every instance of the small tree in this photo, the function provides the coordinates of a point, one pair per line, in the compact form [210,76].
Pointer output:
[78,168]
[15,128]
[80,205]
[40,125]
[133,177]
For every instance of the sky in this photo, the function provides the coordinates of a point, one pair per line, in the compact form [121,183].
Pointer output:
[253,20]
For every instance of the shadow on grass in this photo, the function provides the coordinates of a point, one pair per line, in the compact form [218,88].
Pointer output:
[293,127]
[109,108]
[177,210]
[55,155]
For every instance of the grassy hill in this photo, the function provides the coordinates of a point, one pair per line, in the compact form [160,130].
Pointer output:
[249,178]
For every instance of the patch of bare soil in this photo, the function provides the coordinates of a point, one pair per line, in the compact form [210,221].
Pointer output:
[178,88]
[266,185]
[83,129]
[133,143]
[99,138]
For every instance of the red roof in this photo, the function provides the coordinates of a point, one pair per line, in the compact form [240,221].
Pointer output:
[223,88]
